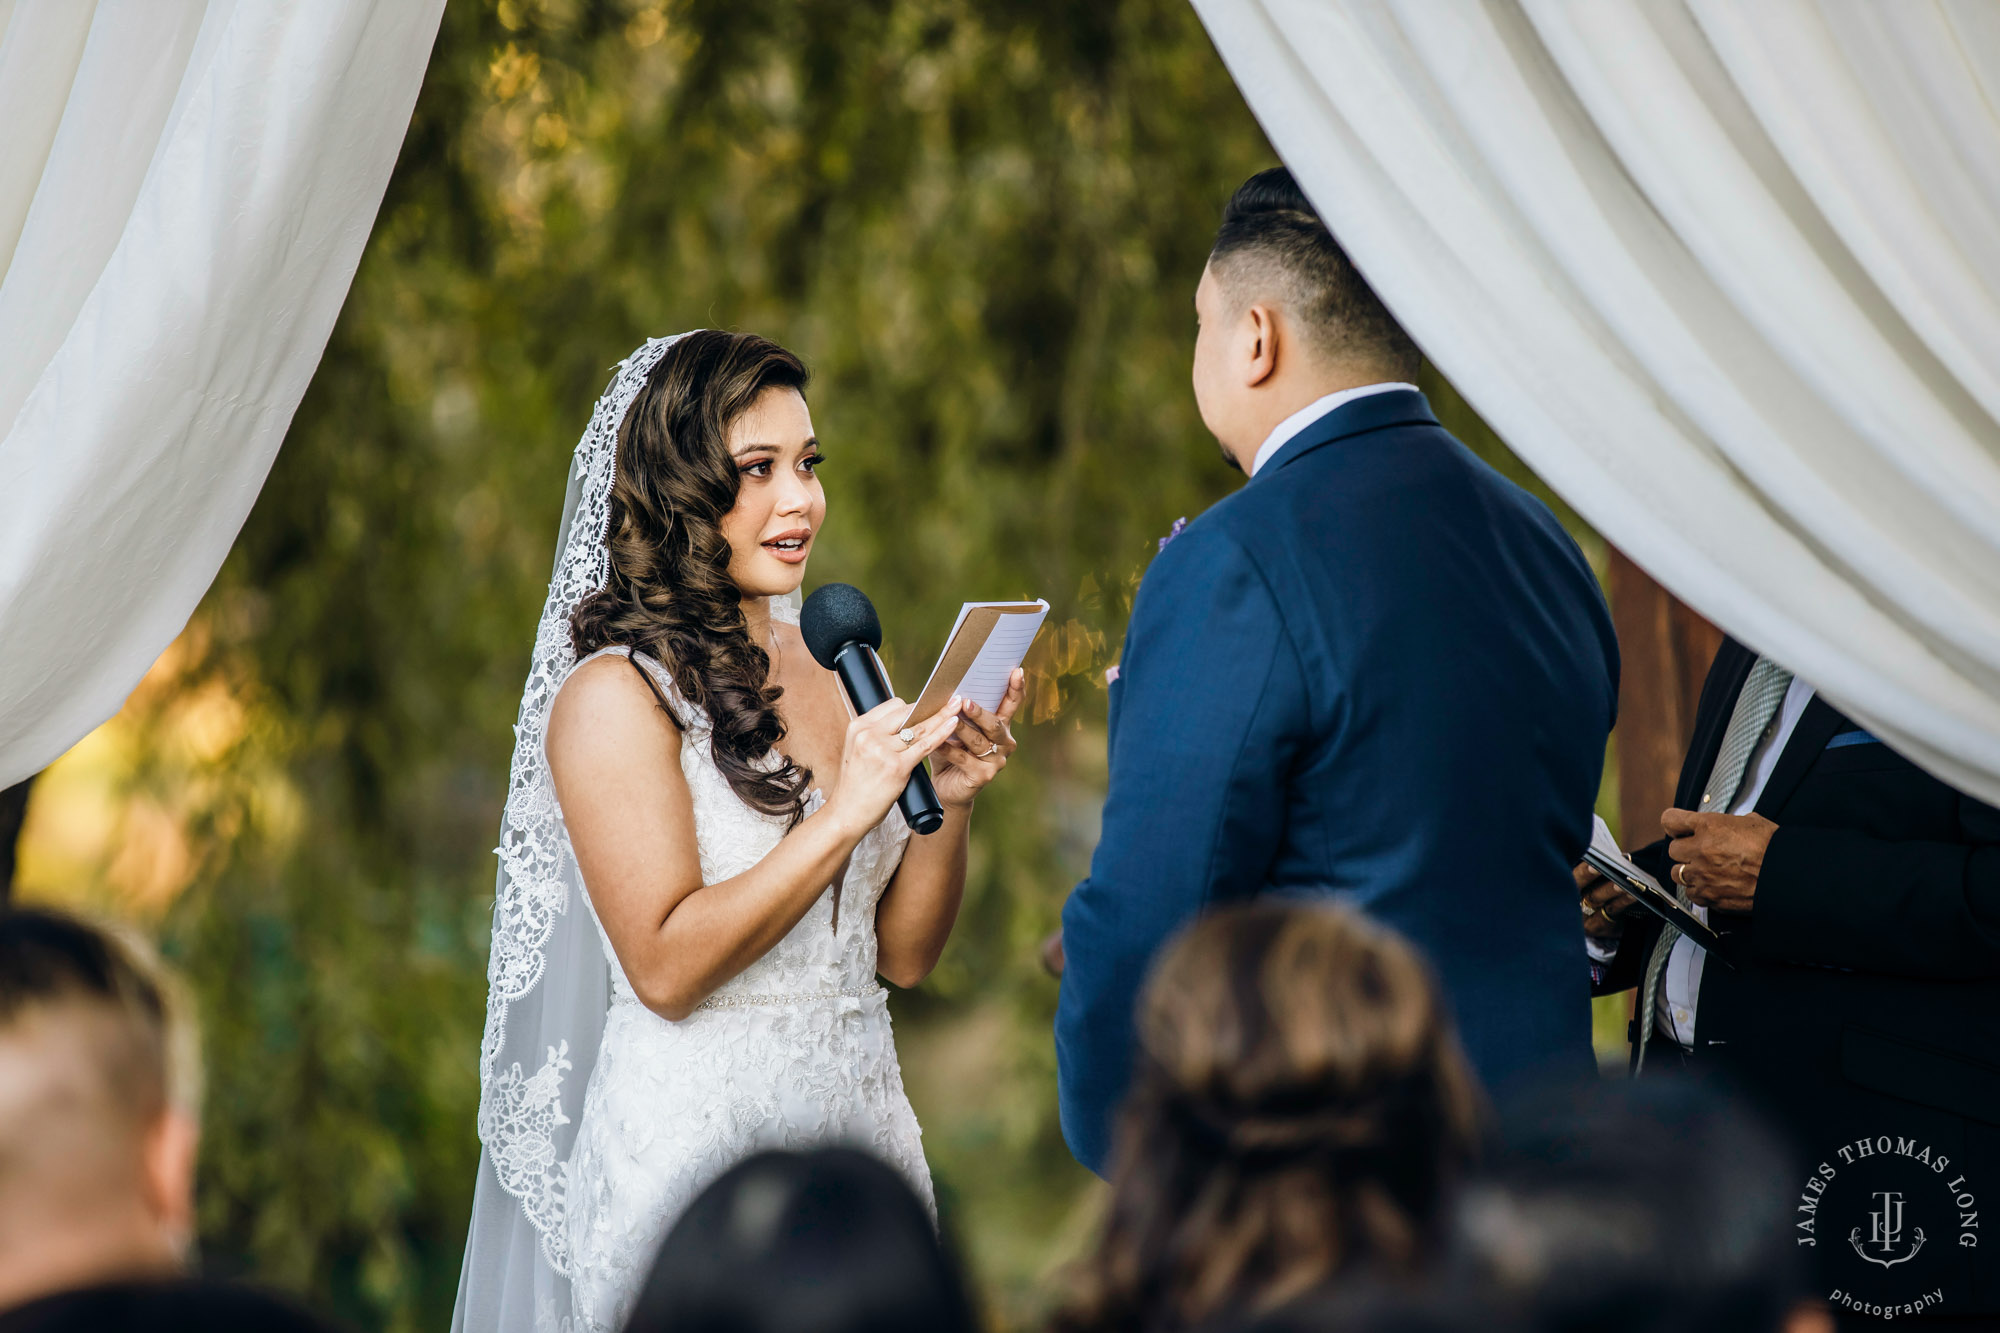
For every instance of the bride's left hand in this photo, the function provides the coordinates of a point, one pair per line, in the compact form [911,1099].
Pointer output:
[978,748]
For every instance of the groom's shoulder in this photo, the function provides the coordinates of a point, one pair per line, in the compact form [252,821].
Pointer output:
[1263,513]
[1211,549]
[1205,541]
[1242,530]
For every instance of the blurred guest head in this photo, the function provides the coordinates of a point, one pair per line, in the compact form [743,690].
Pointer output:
[829,1241]
[1299,1110]
[98,1090]
[1285,318]
[1657,1206]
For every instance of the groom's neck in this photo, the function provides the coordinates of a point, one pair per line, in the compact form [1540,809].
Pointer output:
[1285,395]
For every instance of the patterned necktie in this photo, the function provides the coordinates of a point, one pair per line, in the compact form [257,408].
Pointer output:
[1755,713]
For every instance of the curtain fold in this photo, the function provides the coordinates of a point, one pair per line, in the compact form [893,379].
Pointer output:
[193,186]
[1725,275]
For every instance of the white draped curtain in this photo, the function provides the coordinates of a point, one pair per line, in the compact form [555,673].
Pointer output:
[1725,274]
[185,192]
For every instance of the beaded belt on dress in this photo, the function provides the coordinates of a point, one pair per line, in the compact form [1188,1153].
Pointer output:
[739,1001]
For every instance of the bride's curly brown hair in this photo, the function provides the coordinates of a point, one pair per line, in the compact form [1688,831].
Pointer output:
[669,593]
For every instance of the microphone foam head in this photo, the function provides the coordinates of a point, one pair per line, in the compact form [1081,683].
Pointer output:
[836,615]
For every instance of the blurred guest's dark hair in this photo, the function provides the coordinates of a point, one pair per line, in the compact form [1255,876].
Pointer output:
[1272,244]
[1300,1110]
[1369,1308]
[163,1307]
[1658,1206]
[829,1241]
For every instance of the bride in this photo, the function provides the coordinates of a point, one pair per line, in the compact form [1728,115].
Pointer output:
[687,779]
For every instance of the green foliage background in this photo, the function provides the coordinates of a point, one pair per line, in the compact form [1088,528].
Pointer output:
[981,224]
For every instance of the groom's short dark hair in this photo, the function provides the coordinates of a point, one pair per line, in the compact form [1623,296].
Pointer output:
[1272,243]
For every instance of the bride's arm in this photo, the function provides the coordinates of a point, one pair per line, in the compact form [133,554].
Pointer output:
[615,758]
[920,906]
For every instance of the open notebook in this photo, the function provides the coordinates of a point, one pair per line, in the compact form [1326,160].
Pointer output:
[1608,859]
[986,643]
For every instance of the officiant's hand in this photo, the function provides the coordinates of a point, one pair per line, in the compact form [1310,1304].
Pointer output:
[978,747]
[1718,857]
[1604,903]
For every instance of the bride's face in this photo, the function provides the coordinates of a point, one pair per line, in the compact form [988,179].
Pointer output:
[779,505]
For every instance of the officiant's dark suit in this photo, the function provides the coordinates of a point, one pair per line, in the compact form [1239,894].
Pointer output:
[1380,672]
[1864,999]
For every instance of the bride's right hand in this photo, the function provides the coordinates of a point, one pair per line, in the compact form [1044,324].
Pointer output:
[875,765]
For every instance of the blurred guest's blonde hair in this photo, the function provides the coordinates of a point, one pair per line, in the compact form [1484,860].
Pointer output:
[143,1040]
[1300,1109]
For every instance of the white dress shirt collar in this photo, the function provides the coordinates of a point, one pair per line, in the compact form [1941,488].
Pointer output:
[1311,412]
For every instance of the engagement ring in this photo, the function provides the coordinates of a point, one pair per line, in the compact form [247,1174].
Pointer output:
[988,750]
[907,736]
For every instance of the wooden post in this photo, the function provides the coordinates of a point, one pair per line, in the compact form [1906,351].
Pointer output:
[13,812]
[1666,649]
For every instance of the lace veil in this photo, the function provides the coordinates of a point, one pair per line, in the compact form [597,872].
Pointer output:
[548,981]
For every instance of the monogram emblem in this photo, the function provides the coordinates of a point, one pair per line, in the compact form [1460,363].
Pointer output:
[1885,1232]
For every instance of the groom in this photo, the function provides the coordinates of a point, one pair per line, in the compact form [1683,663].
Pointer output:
[1379,672]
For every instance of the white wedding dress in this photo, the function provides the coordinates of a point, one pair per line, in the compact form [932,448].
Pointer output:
[793,1052]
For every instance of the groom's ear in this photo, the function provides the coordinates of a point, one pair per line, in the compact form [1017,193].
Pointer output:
[1263,337]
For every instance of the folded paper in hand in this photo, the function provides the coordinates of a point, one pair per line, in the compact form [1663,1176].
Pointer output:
[985,645]
[1608,859]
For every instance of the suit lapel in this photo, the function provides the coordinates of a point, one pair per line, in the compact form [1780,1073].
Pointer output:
[1817,725]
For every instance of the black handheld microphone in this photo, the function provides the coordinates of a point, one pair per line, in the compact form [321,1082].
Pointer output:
[842,631]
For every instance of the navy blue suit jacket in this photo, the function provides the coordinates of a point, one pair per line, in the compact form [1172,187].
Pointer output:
[1379,671]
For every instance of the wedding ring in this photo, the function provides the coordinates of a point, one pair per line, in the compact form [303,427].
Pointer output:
[907,736]
[1680,873]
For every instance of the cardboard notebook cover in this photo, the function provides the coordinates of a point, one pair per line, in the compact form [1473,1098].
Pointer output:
[985,646]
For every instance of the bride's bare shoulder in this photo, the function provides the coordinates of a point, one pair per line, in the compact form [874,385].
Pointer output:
[602,704]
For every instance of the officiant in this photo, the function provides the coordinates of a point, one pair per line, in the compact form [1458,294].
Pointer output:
[1858,901]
